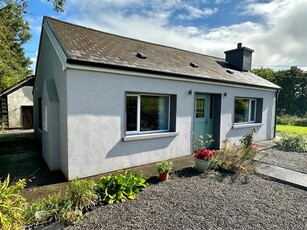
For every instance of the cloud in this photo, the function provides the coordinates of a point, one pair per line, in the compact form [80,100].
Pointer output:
[194,13]
[275,30]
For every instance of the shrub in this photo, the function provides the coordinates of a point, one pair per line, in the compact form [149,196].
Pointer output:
[66,206]
[120,187]
[12,204]
[292,142]
[285,119]
[53,207]
[236,159]
[301,122]
[82,193]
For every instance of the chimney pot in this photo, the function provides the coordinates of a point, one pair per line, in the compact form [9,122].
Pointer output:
[239,45]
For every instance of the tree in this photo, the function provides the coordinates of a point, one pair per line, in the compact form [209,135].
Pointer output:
[14,33]
[58,5]
[293,96]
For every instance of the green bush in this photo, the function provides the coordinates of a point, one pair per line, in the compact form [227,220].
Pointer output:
[82,193]
[301,122]
[65,206]
[120,187]
[53,207]
[12,204]
[293,142]
[285,119]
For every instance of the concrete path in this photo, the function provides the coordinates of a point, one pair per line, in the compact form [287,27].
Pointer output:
[291,177]
[20,156]
[287,176]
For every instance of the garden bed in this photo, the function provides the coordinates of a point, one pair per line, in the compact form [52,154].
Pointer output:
[190,200]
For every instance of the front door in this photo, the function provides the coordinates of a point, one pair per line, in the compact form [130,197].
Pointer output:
[203,123]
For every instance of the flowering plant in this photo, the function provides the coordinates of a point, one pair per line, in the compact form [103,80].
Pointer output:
[204,154]
[255,146]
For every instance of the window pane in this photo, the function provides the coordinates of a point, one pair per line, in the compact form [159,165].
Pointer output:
[200,108]
[253,110]
[154,113]
[241,110]
[132,104]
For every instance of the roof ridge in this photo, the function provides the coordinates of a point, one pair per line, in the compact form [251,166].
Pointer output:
[134,39]
[16,84]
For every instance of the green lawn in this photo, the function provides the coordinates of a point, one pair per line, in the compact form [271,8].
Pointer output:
[291,129]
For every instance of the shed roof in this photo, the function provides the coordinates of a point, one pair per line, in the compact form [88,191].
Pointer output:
[86,46]
[28,81]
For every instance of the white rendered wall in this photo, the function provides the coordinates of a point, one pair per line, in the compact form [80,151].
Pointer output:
[16,99]
[50,67]
[96,120]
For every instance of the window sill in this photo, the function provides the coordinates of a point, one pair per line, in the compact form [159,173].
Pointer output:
[149,136]
[247,125]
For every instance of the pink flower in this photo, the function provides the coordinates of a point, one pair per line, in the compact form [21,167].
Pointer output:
[204,154]
[255,146]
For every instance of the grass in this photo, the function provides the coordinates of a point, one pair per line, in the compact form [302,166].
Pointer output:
[291,129]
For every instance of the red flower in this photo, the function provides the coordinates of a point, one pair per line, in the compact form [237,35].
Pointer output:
[255,146]
[204,154]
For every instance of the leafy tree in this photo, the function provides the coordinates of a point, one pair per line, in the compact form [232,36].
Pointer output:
[293,95]
[58,5]
[266,73]
[14,33]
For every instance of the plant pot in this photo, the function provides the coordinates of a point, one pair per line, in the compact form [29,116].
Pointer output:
[164,176]
[201,165]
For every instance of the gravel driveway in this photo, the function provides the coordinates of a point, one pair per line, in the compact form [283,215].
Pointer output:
[290,160]
[206,201]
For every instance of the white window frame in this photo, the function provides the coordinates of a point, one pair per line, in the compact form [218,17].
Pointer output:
[249,110]
[138,131]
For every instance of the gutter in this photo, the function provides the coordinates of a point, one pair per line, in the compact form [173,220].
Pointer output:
[148,71]
[275,122]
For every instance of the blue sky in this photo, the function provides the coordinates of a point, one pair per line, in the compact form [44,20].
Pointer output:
[276,30]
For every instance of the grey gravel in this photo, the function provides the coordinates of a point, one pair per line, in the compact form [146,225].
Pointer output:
[206,201]
[290,160]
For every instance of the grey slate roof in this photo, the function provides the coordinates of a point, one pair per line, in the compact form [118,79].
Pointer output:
[91,47]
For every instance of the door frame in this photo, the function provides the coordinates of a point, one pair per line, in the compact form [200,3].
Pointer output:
[215,111]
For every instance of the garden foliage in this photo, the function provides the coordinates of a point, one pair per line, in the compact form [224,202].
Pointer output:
[82,193]
[51,208]
[65,206]
[236,159]
[164,166]
[293,142]
[120,187]
[285,119]
[12,204]
[201,142]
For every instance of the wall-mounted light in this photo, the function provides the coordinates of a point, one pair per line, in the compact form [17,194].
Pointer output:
[225,94]
[190,92]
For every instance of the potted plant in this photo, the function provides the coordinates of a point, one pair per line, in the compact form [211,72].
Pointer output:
[163,168]
[202,159]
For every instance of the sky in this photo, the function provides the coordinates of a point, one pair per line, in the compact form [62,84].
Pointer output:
[276,30]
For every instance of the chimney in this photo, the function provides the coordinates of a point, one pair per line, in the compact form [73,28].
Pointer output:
[240,58]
